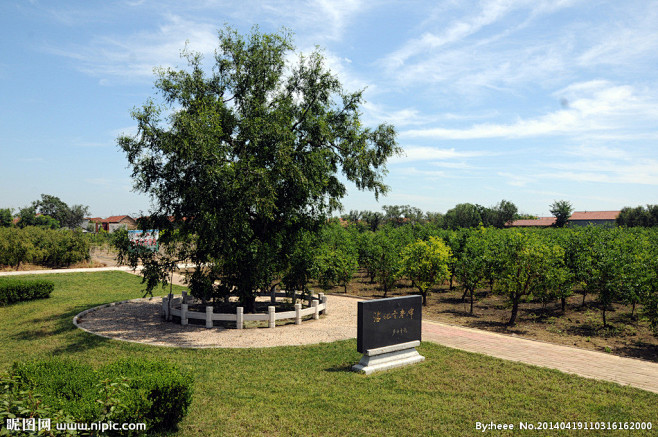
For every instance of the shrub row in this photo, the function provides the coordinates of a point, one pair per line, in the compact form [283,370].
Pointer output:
[15,290]
[127,391]
[47,247]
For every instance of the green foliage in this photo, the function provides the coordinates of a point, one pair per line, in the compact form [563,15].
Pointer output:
[463,215]
[126,391]
[6,218]
[42,246]
[470,262]
[300,266]
[335,267]
[248,156]
[28,217]
[18,402]
[529,266]
[425,263]
[68,217]
[638,216]
[157,393]
[562,210]
[17,290]
[386,258]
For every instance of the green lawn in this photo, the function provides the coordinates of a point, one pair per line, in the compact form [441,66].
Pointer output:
[310,391]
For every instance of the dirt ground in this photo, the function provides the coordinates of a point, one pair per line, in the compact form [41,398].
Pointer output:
[580,326]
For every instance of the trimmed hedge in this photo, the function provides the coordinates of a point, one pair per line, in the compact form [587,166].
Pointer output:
[16,290]
[127,391]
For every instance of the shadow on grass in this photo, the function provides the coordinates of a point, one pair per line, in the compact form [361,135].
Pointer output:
[56,324]
[80,343]
[341,368]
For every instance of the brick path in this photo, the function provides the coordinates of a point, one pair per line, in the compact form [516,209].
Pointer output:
[590,364]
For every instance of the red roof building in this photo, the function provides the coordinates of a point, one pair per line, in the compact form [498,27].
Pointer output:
[584,218]
[541,222]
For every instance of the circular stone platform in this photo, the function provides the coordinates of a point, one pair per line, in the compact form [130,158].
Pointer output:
[139,321]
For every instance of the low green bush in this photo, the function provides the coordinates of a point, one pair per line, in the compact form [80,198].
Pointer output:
[158,393]
[127,391]
[16,290]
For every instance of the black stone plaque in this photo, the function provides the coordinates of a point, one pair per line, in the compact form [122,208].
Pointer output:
[385,322]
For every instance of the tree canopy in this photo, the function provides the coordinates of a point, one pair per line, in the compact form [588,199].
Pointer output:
[562,210]
[242,159]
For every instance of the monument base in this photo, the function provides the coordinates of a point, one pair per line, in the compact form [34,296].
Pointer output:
[389,357]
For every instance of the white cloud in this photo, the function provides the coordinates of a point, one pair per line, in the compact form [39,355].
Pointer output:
[593,106]
[135,55]
[434,154]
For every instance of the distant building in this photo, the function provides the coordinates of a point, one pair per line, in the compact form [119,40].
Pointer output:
[541,222]
[578,218]
[111,224]
[584,218]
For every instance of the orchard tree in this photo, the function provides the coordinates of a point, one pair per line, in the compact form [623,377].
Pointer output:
[425,264]
[470,266]
[528,267]
[246,157]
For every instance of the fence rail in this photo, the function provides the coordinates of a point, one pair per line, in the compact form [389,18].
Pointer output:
[180,308]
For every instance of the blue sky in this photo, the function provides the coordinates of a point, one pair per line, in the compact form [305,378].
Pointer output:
[530,101]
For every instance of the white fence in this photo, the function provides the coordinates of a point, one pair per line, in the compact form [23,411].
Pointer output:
[180,308]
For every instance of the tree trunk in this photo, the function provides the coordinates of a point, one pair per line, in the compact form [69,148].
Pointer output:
[564,304]
[424,293]
[472,292]
[452,275]
[464,295]
[515,310]
[605,323]
[249,304]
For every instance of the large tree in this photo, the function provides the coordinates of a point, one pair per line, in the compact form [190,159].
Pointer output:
[245,157]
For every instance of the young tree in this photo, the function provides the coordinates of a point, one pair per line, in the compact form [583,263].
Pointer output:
[386,259]
[245,158]
[562,210]
[470,266]
[425,264]
[528,266]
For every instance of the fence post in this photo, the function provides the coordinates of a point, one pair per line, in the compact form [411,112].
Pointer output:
[240,318]
[322,298]
[270,314]
[298,314]
[316,314]
[183,314]
[165,308]
[208,316]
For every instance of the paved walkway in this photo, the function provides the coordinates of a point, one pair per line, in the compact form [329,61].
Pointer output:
[590,364]
[625,371]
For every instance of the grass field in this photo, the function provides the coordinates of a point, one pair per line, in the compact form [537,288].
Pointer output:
[310,391]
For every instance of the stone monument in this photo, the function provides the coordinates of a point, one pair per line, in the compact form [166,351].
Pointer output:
[388,331]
